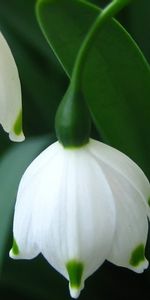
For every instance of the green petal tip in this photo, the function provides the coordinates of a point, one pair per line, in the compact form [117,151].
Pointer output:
[75,271]
[15,248]
[137,256]
[17,128]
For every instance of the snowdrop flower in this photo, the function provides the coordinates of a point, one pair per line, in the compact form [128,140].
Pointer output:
[10,94]
[82,206]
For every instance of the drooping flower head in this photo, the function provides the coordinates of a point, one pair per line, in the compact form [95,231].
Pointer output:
[80,207]
[10,94]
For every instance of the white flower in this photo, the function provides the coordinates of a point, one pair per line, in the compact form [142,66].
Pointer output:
[80,207]
[10,93]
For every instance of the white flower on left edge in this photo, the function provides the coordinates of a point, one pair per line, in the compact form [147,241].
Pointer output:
[10,94]
[79,207]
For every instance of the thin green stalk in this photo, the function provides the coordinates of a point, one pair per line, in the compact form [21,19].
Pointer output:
[112,9]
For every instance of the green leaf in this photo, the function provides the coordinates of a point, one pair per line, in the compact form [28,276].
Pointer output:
[12,167]
[116,79]
[139,24]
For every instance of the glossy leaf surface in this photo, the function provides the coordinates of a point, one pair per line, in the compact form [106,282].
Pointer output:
[116,79]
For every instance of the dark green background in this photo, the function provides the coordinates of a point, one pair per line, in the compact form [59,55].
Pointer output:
[43,85]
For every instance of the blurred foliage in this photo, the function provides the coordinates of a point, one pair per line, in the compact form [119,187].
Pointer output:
[43,85]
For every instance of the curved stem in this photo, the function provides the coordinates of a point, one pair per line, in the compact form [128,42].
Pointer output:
[113,8]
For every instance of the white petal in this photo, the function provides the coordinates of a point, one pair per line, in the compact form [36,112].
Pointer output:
[123,165]
[10,93]
[74,292]
[23,227]
[73,215]
[131,223]
[43,159]
[16,137]
[23,230]
[81,216]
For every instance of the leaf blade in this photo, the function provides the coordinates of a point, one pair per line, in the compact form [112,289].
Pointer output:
[113,52]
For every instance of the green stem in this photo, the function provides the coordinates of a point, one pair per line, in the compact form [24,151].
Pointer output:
[112,9]
[73,121]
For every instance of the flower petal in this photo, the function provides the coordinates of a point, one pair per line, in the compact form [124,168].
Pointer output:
[23,227]
[123,165]
[24,245]
[10,93]
[67,207]
[131,223]
[81,216]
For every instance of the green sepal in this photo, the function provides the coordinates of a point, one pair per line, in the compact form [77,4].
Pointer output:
[72,121]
